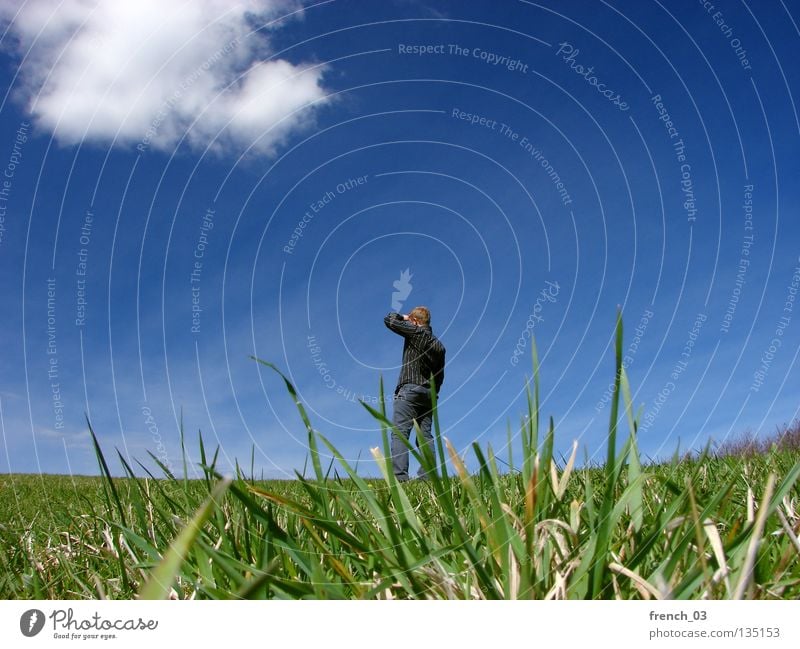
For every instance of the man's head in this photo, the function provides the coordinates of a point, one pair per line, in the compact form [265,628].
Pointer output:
[420,315]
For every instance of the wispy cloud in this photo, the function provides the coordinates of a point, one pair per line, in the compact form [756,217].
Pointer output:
[150,72]
[73,438]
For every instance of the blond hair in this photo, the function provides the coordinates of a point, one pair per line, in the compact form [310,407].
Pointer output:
[421,314]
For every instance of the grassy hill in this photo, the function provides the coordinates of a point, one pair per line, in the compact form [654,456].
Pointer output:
[718,525]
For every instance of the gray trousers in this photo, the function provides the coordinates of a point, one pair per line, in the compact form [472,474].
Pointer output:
[412,402]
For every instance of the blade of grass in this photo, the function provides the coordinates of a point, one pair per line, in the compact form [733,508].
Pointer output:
[163,576]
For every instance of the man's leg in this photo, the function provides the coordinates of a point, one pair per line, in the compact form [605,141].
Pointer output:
[403,419]
[420,400]
[424,437]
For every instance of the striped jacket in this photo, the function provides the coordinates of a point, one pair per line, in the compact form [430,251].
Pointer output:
[423,353]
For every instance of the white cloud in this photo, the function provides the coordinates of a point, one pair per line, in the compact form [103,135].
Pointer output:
[149,72]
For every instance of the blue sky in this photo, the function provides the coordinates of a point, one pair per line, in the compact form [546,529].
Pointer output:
[276,166]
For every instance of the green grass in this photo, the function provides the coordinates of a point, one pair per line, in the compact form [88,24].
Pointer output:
[721,525]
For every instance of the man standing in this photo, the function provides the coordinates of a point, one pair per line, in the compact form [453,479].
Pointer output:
[423,357]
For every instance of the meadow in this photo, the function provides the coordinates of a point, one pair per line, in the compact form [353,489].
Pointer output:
[710,525]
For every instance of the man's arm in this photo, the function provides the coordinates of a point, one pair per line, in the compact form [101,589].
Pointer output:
[439,376]
[398,324]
